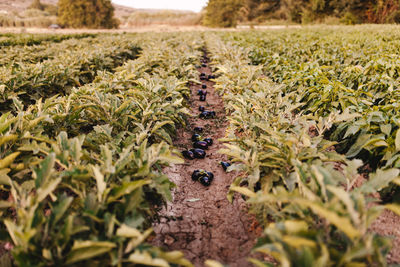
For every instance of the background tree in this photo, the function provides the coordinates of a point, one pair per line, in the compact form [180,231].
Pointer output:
[37,5]
[226,13]
[222,13]
[86,14]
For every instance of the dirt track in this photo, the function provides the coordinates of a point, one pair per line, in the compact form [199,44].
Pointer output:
[200,221]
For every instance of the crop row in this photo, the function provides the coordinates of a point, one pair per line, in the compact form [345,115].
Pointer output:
[301,189]
[36,39]
[36,53]
[29,82]
[82,172]
[347,71]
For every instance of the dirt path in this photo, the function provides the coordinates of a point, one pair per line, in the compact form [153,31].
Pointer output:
[200,221]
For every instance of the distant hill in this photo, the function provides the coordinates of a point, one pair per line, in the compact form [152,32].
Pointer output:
[18,6]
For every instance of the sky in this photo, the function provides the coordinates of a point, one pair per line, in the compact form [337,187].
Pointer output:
[194,5]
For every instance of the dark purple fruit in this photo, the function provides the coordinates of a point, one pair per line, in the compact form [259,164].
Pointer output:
[207,114]
[188,154]
[204,177]
[201,145]
[202,74]
[202,98]
[201,92]
[204,65]
[202,108]
[199,153]
[204,86]
[196,175]
[205,181]
[196,137]
[209,141]
[204,115]
[225,165]
[198,129]
[210,176]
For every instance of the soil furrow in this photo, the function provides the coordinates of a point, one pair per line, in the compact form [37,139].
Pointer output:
[203,224]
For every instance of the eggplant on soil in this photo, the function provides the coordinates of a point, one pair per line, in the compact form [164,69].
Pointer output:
[204,177]
[225,165]
[201,145]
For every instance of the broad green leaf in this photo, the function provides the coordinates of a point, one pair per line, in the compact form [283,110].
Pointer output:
[243,191]
[379,180]
[47,188]
[100,182]
[298,242]
[84,250]
[126,231]
[176,257]
[43,172]
[7,161]
[8,138]
[213,263]
[397,140]
[342,223]
[145,258]
[126,189]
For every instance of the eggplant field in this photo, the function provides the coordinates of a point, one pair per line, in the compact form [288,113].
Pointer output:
[227,148]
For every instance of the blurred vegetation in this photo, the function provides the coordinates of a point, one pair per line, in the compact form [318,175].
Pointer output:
[227,13]
[37,15]
[222,13]
[86,14]
[28,18]
[164,17]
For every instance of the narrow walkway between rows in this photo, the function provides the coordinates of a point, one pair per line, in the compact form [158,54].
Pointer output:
[200,221]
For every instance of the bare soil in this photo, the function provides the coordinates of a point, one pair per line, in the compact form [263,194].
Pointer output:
[387,224]
[200,221]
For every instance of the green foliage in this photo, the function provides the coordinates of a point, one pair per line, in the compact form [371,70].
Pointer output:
[165,17]
[305,111]
[36,4]
[221,13]
[84,170]
[86,14]
[68,68]
[309,11]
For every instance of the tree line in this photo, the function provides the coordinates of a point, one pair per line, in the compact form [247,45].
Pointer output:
[227,13]
[82,13]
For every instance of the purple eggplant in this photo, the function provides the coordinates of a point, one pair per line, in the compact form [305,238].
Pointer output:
[209,141]
[202,108]
[225,165]
[201,92]
[204,180]
[196,175]
[188,154]
[203,86]
[198,153]
[202,98]
[204,177]
[198,129]
[196,137]
[201,145]
[210,175]
[207,114]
